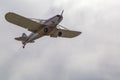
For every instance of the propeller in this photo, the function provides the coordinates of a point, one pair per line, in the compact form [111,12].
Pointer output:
[62,12]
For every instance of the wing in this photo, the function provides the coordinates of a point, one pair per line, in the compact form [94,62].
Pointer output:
[65,33]
[23,22]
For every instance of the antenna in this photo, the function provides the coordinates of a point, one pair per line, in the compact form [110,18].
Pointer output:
[62,12]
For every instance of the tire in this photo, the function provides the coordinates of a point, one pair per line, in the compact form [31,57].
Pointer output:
[59,33]
[45,30]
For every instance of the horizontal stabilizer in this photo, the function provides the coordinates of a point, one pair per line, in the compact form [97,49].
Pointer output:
[21,38]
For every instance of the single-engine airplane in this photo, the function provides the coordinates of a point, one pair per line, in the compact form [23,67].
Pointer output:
[40,28]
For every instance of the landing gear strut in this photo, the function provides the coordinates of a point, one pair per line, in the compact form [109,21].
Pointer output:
[24,45]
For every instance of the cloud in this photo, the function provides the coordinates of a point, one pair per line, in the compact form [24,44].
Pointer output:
[94,55]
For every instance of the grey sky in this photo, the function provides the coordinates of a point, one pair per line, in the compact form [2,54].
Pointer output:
[94,55]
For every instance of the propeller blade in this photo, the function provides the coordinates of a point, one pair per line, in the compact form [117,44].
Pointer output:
[62,12]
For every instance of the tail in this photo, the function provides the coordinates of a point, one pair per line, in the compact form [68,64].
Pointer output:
[23,38]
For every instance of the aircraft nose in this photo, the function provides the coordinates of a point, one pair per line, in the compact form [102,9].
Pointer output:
[59,16]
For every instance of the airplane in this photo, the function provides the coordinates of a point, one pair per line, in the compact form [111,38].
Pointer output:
[39,28]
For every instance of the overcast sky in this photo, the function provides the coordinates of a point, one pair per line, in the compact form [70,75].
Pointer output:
[94,55]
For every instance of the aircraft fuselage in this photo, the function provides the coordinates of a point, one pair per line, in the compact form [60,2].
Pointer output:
[50,25]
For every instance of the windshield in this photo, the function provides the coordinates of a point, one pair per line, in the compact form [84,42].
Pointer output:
[39,21]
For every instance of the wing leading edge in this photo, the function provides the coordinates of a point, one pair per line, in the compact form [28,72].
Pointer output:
[23,22]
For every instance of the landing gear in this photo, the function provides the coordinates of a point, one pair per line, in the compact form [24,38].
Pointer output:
[60,34]
[24,45]
[46,30]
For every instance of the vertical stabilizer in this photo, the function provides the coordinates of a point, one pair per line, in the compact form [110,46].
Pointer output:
[22,38]
[24,35]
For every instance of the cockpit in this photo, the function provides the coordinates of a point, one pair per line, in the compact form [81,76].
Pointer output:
[39,21]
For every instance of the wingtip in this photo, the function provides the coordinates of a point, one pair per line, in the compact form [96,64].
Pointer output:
[7,15]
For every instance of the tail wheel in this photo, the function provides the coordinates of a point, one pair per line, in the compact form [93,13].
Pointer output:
[45,30]
[59,33]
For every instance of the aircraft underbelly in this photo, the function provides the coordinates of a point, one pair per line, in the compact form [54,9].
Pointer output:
[32,37]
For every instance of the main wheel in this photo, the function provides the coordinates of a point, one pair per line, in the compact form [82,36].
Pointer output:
[45,30]
[59,33]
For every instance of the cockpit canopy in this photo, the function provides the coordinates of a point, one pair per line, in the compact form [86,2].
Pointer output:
[41,21]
